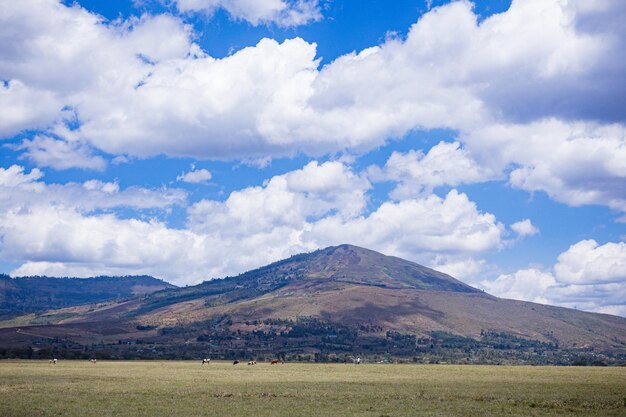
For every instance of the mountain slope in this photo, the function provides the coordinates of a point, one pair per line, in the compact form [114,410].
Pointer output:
[360,266]
[36,294]
[338,299]
[333,266]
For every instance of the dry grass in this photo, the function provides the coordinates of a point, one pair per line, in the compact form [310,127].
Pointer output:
[160,388]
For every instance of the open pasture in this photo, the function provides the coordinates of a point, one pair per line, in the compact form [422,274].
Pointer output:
[184,388]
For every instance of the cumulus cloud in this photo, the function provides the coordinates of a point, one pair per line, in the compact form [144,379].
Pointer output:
[56,57]
[315,206]
[60,154]
[205,107]
[416,172]
[461,267]
[195,176]
[21,191]
[54,229]
[514,85]
[280,12]
[526,284]
[430,224]
[59,240]
[536,93]
[14,176]
[524,228]
[19,113]
[324,205]
[543,72]
[587,262]
[288,200]
[575,163]
[587,276]
[402,91]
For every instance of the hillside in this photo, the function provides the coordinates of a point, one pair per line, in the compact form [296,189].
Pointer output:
[37,294]
[339,300]
[332,267]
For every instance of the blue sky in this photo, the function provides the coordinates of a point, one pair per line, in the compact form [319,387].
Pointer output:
[193,139]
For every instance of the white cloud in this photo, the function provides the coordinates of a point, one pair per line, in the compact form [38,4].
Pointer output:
[253,227]
[416,172]
[575,163]
[460,267]
[69,51]
[356,102]
[54,229]
[524,228]
[514,86]
[204,107]
[57,240]
[288,200]
[57,57]
[107,187]
[511,85]
[587,276]
[60,154]
[23,191]
[195,176]
[14,176]
[587,262]
[324,205]
[526,284]
[289,215]
[280,12]
[19,112]
[417,227]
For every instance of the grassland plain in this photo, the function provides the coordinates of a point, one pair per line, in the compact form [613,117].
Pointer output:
[185,388]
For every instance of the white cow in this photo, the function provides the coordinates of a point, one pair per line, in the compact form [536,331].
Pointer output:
[53,361]
[206,361]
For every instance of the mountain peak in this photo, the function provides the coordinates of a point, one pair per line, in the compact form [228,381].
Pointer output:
[356,265]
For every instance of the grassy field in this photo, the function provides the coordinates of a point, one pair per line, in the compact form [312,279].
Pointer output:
[79,388]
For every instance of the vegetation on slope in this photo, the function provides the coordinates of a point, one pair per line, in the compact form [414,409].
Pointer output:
[25,295]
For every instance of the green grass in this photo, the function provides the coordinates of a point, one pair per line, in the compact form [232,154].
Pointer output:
[161,388]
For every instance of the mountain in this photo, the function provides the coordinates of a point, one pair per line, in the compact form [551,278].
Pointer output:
[326,269]
[341,300]
[37,294]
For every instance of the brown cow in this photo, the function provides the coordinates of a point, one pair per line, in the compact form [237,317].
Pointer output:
[274,361]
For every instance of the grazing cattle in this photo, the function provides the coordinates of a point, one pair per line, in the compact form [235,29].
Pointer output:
[206,361]
[274,362]
[251,362]
[235,362]
[53,361]
[92,361]
[358,361]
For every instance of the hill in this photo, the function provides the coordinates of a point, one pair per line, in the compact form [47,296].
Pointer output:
[341,300]
[37,294]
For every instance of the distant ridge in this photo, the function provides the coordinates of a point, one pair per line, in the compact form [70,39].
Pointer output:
[33,294]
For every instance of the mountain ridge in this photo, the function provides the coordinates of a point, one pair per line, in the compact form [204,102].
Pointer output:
[32,294]
[337,299]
